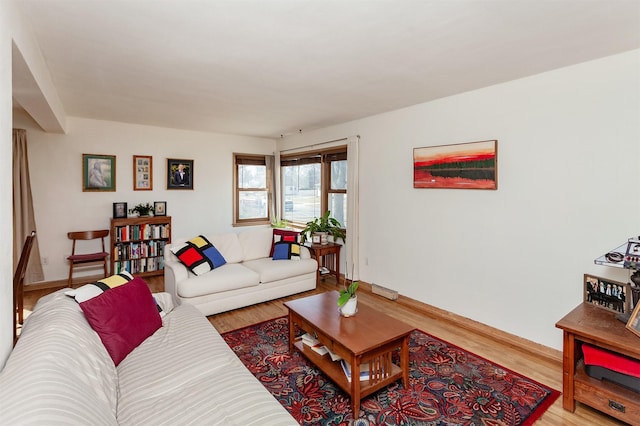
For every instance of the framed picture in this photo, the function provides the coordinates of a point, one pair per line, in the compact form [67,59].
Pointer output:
[634,320]
[607,294]
[142,173]
[98,173]
[119,210]
[472,165]
[159,208]
[179,174]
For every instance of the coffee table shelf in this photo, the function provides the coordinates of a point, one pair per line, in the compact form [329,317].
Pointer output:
[334,371]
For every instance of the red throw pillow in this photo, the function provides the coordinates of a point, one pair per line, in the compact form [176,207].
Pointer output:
[123,317]
[283,235]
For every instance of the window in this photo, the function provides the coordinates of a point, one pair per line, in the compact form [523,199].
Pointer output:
[252,187]
[313,183]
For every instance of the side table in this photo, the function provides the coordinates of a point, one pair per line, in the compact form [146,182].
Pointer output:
[327,255]
[598,327]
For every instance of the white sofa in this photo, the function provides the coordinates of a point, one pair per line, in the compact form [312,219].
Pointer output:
[250,276]
[183,374]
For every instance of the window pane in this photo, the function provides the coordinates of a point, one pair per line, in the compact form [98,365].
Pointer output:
[252,176]
[301,193]
[338,207]
[339,174]
[252,204]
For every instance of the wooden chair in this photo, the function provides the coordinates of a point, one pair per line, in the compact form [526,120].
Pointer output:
[77,260]
[18,284]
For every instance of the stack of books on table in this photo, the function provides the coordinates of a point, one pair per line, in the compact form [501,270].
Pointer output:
[318,347]
[364,375]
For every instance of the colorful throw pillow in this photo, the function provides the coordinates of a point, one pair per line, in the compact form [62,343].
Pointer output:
[198,255]
[123,317]
[94,289]
[283,235]
[286,250]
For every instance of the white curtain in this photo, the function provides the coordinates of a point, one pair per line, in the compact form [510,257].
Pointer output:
[23,215]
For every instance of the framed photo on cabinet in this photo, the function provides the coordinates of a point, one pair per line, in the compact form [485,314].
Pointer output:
[119,210]
[159,208]
[634,321]
[142,173]
[98,173]
[608,294]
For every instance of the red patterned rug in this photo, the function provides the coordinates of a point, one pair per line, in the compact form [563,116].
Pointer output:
[448,385]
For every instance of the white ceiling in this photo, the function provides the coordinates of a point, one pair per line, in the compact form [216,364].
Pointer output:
[271,67]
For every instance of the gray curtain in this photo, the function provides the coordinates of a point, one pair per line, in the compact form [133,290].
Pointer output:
[23,216]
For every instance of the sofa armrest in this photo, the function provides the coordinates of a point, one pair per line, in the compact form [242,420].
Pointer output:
[174,273]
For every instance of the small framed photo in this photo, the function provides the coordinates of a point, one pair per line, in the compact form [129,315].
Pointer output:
[634,321]
[179,174]
[98,173]
[119,210]
[607,294]
[142,173]
[159,208]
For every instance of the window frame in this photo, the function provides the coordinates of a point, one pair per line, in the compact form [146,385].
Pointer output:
[324,158]
[250,159]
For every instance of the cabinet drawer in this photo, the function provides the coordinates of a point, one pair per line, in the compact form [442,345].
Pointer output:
[614,400]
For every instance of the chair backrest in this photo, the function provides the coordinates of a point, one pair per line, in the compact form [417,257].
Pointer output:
[21,269]
[87,235]
[18,280]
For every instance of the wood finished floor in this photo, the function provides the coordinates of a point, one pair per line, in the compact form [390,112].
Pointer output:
[531,365]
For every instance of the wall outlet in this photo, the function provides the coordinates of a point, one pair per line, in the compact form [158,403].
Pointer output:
[45,260]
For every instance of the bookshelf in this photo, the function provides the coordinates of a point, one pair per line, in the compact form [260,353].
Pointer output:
[137,244]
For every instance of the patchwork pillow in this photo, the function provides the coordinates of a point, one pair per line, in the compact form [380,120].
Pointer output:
[198,255]
[94,289]
[123,317]
[283,235]
[286,250]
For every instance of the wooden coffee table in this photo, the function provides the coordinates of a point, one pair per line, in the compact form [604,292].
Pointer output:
[366,341]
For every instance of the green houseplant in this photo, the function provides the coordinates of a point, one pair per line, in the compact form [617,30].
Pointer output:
[142,209]
[327,224]
[348,300]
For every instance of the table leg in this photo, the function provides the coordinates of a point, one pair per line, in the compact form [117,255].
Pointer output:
[355,387]
[291,332]
[404,361]
[568,371]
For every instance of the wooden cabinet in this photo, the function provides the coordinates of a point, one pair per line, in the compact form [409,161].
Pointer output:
[598,327]
[137,244]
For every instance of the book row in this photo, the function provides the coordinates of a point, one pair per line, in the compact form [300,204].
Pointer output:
[138,266]
[319,348]
[126,251]
[145,231]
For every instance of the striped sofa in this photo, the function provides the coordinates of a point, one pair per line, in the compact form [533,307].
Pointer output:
[183,374]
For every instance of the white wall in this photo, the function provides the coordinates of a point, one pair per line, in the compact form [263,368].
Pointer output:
[514,259]
[6,218]
[55,163]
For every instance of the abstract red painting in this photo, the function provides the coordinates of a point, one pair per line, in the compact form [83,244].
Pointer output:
[472,165]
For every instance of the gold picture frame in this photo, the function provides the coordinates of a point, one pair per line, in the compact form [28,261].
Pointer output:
[634,321]
[142,173]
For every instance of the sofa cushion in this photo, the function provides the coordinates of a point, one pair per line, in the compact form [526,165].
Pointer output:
[96,288]
[229,246]
[283,235]
[269,270]
[256,243]
[227,277]
[199,255]
[285,250]
[123,317]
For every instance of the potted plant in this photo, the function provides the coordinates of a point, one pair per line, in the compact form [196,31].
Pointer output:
[142,209]
[348,300]
[325,225]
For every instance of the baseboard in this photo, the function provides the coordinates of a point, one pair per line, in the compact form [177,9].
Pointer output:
[553,355]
